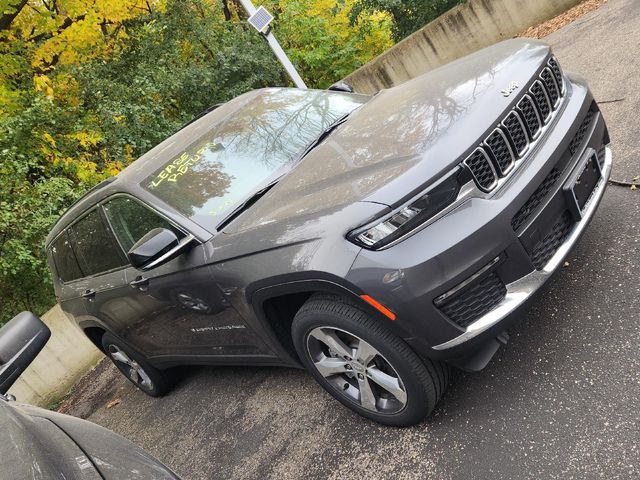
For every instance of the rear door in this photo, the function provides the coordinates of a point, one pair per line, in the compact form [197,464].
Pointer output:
[67,276]
[102,264]
[176,309]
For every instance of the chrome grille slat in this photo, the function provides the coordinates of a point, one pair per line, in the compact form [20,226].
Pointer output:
[542,101]
[482,169]
[498,145]
[550,84]
[517,132]
[531,116]
[557,73]
[497,155]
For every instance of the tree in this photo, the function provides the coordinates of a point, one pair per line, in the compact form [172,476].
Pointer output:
[87,86]
[407,15]
[321,41]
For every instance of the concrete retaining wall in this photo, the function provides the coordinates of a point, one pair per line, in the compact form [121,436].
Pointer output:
[462,30]
[66,357]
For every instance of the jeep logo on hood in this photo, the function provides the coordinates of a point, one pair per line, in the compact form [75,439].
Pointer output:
[513,86]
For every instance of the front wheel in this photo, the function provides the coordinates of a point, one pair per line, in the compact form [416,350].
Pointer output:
[138,371]
[363,365]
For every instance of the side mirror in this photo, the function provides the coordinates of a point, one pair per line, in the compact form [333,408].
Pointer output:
[341,87]
[20,342]
[157,247]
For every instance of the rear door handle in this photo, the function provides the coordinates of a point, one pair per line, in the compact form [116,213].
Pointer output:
[89,294]
[140,283]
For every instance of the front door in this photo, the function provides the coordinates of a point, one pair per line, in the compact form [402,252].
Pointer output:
[175,309]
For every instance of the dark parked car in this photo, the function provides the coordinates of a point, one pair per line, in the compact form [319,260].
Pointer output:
[40,444]
[376,241]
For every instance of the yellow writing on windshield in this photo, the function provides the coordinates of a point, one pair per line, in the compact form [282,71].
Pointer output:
[221,208]
[180,166]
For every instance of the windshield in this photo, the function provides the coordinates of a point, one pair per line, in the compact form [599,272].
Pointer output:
[237,156]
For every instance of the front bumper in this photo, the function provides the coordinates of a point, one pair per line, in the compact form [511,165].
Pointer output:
[412,276]
[521,290]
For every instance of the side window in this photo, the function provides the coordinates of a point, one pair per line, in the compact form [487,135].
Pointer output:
[130,221]
[95,247]
[65,259]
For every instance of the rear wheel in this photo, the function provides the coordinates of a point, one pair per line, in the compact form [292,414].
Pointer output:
[363,365]
[138,371]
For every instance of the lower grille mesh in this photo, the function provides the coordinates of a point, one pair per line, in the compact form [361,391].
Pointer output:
[474,302]
[550,181]
[555,237]
[536,199]
[576,141]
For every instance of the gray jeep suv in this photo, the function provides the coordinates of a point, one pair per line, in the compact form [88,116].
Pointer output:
[376,241]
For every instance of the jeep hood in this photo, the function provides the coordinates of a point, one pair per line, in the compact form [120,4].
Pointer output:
[39,444]
[398,142]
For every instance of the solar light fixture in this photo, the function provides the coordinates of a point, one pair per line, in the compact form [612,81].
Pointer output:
[261,20]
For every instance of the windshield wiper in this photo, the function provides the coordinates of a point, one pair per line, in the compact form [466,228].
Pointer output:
[242,207]
[325,133]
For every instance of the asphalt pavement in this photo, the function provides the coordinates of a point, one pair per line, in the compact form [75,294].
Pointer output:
[560,401]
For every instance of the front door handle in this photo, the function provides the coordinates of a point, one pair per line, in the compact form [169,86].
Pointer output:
[140,283]
[89,294]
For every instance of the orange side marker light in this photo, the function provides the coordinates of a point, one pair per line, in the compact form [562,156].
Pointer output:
[378,306]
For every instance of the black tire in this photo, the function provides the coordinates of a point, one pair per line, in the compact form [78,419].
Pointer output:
[157,383]
[424,380]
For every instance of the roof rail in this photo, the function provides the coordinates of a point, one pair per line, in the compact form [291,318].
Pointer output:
[201,114]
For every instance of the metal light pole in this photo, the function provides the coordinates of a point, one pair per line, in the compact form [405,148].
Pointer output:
[260,19]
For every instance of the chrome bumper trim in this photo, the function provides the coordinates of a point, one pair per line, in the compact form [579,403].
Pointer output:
[520,290]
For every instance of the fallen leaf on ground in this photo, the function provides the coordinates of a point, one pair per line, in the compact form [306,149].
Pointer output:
[113,403]
[550,26]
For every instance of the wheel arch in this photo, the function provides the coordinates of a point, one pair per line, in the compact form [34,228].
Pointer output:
[94,331]
[276,301]
[94,334]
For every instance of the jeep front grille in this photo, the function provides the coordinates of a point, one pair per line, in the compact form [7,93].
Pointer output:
[500,152]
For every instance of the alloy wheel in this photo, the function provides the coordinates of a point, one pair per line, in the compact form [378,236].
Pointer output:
[356,369]
[130,367]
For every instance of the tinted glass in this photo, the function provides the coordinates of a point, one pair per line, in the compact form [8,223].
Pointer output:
[130,221]
[95,247]
[236,156]
[65,259]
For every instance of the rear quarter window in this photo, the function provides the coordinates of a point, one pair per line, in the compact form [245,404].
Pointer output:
[64,259]
[95,246]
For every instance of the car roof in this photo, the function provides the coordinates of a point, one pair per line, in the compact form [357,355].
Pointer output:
[128,179]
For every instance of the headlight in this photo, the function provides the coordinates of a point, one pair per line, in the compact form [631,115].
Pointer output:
[409,216]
